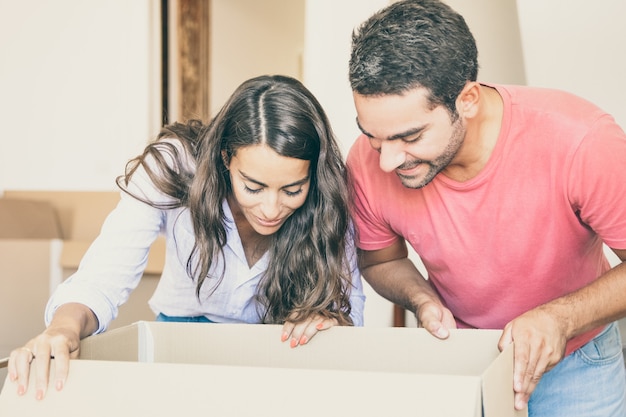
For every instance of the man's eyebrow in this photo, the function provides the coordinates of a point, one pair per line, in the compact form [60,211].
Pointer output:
[261,184]
[411,132]
[365,132]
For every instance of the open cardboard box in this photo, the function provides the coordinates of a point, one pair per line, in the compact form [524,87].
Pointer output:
[165,369]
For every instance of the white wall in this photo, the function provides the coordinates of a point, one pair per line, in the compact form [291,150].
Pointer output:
[76,90]
[578,46]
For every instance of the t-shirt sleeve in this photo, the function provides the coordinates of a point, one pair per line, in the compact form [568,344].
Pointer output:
[597,181]
[373,231]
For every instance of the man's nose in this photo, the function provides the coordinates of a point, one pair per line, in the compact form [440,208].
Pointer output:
[391,155]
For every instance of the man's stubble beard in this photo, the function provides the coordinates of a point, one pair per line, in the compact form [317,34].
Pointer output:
[437,165]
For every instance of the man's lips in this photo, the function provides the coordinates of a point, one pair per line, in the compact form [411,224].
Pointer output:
[409,171]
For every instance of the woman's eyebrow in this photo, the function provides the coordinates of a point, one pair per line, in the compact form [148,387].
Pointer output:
[261,184]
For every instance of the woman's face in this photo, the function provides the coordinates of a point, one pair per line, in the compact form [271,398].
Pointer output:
[268,187]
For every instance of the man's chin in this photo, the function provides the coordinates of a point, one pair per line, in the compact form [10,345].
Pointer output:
[414,182]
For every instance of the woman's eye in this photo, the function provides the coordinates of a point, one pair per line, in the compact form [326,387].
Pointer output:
[252,190]
[293,193]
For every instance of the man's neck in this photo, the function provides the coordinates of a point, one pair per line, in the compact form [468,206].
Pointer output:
[481,136]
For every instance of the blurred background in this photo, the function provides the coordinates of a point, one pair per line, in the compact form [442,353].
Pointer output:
[85,83]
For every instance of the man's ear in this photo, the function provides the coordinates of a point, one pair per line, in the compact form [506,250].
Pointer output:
[467,101]
[225,159]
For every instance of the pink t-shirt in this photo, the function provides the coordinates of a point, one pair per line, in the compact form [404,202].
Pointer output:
[528,228]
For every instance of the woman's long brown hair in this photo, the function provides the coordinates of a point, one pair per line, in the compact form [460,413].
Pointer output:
[308,270]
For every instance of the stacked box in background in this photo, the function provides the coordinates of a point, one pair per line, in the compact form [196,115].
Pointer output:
[43,236]
[30,242]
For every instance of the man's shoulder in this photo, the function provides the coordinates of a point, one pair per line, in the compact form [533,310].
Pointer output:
[361,152]
[542,96]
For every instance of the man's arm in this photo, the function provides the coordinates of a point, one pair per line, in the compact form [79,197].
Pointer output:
[541,334]
[597,304]
[394,276]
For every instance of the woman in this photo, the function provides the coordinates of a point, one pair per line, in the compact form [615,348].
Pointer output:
[254,208]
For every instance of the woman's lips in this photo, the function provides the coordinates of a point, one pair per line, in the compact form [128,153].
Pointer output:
[269,223]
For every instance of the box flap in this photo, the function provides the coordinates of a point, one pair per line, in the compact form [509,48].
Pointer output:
[24,219]
[120,344]
[74,250]
[390,349]
[498,397]
[98,388]
[194,367]
[81,213]
[72,253]
[89,214]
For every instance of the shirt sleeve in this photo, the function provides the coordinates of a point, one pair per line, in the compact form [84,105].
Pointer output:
[114,263]
[357,296]
[373,231]
[597,181]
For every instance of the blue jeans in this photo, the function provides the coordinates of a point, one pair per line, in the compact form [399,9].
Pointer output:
[590,382]
[196,319]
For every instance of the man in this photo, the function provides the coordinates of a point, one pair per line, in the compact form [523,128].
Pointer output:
[507,194]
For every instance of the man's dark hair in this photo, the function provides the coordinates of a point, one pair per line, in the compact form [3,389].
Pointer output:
[410,44]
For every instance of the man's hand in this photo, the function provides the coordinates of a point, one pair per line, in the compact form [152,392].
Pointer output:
[435,318]
[540,340]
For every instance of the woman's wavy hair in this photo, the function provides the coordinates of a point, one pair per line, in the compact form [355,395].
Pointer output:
[308,270]
[410,44]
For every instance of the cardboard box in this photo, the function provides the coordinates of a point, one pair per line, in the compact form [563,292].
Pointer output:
[29,245]
[78,218]
[165,369]
[80,214]
[43,236]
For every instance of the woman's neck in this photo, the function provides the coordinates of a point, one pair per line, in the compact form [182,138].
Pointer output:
[254,244]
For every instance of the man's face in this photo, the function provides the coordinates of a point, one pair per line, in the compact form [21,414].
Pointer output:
[414,140]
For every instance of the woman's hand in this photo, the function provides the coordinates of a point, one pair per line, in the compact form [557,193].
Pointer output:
[60,341]
[57,343]
[300,333]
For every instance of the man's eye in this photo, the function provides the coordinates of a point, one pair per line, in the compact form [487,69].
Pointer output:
[375,143]
[411,140]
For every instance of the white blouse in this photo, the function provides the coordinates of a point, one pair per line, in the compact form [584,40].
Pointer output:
[114,263]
